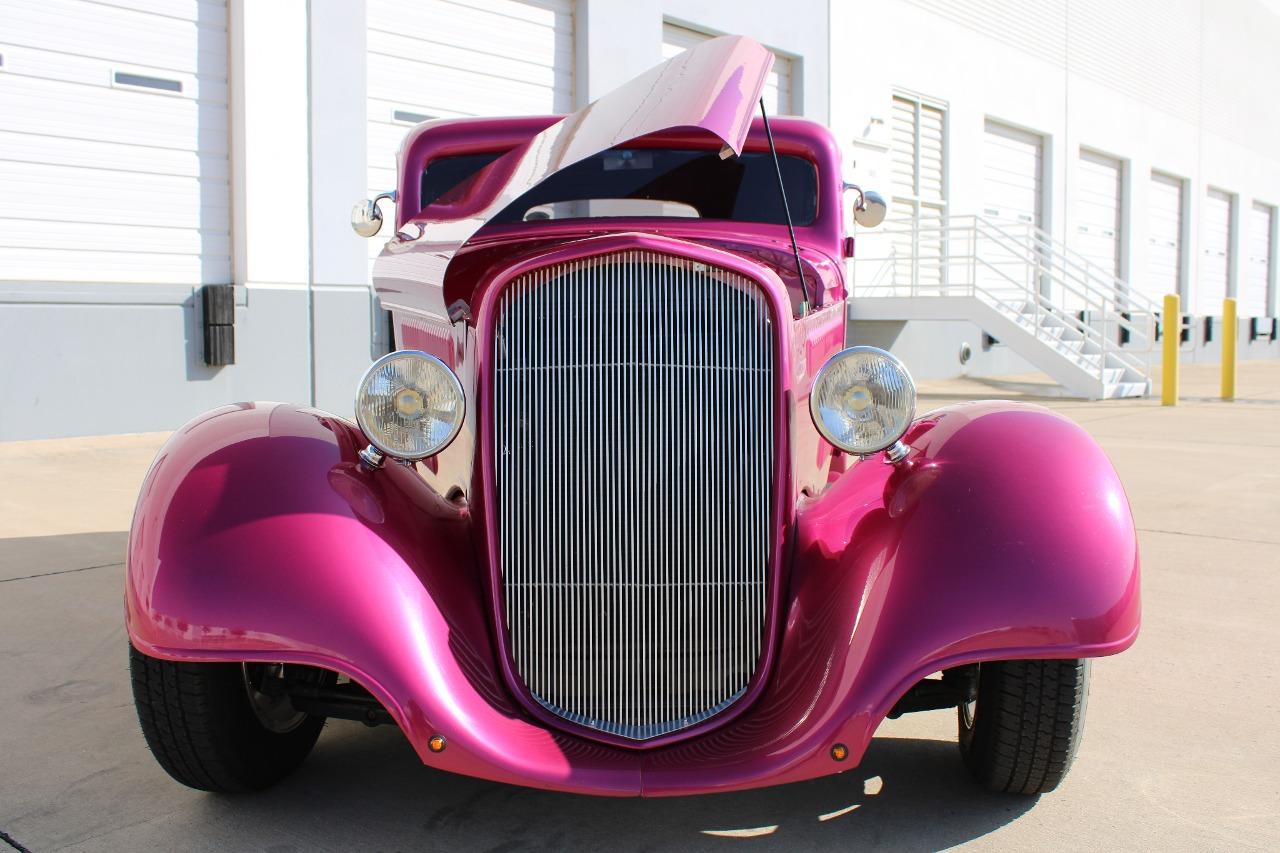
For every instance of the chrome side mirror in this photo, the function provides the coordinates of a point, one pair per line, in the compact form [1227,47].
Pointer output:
[366,218]
[870,209]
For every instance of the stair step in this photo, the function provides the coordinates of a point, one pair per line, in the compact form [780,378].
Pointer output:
[1115,360]
[1111,391]
[1074,347]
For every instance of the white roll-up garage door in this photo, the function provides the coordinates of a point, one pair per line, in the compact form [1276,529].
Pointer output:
[777,89]
[1164,237]
[1215,264]
[1012,174]
[437,59]
[1254,289]
[1097,210]
[113,142]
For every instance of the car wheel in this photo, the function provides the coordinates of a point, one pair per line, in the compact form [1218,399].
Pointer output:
[219,726]
[1021,733]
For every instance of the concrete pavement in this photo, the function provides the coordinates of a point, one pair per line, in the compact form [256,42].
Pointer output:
[1181,748]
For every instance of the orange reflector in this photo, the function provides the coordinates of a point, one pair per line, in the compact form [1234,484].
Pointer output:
[436,744]
[839,752]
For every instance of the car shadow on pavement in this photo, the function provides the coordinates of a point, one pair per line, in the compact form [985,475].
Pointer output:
[367,790]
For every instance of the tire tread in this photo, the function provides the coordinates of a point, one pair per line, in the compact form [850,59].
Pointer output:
[1029,722]
[197,721]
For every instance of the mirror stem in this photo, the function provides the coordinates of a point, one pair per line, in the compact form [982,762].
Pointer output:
[862,199]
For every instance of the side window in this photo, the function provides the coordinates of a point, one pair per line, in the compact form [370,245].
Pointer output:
[444,177]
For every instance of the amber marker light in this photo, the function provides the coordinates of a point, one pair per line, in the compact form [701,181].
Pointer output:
[839,752]
[436,744]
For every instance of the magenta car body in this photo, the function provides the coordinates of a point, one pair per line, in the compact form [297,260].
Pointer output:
[260,535]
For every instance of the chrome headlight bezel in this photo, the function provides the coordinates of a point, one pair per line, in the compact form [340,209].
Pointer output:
[377,437]
[907,414]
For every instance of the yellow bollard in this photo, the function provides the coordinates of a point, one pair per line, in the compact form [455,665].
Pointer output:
[1172,322]
[1228,349]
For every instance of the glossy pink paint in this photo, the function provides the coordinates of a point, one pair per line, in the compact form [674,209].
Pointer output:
[1007,535]
[259,536]
[408,273]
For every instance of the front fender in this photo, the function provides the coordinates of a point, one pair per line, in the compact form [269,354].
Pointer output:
[259,536]
[1006,535]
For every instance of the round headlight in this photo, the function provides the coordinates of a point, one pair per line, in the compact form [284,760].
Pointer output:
[410,405]
[863,400]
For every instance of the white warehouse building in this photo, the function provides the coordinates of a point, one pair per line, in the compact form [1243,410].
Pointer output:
[152,148]
[1050,155]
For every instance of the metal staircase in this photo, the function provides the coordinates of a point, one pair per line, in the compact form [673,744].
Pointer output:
[1079,324]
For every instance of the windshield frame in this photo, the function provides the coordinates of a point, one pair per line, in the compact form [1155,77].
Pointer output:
[792,135]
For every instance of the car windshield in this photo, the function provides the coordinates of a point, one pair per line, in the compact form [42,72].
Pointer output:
[648,182]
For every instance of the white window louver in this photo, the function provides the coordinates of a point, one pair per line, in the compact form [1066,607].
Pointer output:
[919,187]
[633,445]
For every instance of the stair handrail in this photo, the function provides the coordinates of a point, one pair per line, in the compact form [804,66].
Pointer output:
[1116,305]
[1040,332]
[1110,281]
[1044,259]
[1108,301]
[1086,331]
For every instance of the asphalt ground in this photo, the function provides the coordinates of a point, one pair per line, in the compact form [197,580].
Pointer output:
[1181,748]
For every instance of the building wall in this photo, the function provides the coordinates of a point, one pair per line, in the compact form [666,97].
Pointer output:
[114,350]
[617,41]
[100,335]
[121,350]
[1180,87]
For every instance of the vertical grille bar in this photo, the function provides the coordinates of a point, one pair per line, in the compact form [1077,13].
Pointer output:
[633,438]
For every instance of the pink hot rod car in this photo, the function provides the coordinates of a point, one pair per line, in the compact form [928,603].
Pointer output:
[622,515]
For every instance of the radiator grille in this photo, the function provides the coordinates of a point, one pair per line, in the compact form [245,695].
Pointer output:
[633,446]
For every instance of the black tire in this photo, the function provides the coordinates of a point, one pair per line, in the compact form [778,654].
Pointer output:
[204,731]
[1022,734]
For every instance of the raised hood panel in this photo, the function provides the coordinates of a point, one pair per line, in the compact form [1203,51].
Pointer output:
[713,87]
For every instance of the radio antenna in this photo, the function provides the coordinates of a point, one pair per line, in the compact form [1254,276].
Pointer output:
[786,211]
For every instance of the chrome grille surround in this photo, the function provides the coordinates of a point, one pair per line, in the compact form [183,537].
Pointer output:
[633,423]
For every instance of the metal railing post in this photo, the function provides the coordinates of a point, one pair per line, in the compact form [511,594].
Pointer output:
[1104,341]
[973,261]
